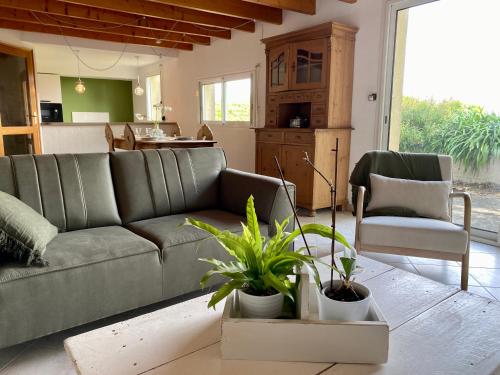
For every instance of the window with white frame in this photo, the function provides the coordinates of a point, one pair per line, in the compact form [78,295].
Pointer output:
[227,100]
[153,96]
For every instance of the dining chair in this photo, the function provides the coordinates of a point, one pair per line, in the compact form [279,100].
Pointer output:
[205,133]
[108,133]
[129,136]
[172,129]
[416,236]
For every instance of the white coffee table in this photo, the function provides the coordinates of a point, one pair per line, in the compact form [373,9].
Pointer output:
[435,329]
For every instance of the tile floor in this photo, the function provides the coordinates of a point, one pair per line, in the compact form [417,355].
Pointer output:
[46,356]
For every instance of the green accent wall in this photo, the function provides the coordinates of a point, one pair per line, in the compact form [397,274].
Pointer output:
[101,95]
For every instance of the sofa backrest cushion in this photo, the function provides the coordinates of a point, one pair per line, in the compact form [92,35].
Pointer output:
[72,191]
[152,183]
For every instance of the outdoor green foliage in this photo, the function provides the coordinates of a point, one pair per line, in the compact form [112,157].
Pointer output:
[466,132]
[259,265]
[234,112]
[238,112]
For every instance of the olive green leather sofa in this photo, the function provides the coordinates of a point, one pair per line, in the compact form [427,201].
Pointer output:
[120,243]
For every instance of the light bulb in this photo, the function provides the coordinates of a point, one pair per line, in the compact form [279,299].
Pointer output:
[138,90]
[80,87]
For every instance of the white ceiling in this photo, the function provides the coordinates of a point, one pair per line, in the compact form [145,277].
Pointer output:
[52,55]
[94,57]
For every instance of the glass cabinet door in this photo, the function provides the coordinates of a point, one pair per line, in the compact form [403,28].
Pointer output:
[278,69]
[309,64]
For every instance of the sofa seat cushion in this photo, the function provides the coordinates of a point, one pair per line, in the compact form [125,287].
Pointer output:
[182,246]
[83,247]
[93,273]
[413,233]
[168,231]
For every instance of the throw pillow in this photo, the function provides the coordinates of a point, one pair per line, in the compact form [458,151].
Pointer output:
[24,233]
[426,198]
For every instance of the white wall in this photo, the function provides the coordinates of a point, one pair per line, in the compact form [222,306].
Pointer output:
[245,50]
[242,53]
[169,65]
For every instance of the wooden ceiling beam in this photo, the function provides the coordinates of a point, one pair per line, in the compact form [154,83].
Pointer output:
[150,9]
[301,6]
[57,8]
[235,8]
[79,24]
[22,26]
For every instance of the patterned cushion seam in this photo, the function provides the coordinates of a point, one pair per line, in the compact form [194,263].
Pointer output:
[150,185]
[62,193]
[180,179]
[165,181]
[82,194]
[14,176]
[38,185]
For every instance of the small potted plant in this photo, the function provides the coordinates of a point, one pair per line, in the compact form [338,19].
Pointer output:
[341,299]
[260,267]
[344,299]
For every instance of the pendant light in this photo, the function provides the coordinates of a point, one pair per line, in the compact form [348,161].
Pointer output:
[79,85]
[138,89]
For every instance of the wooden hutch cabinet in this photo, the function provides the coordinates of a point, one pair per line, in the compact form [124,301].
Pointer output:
[309,77]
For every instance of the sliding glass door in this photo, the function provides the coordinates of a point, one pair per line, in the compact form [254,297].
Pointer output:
[443,78]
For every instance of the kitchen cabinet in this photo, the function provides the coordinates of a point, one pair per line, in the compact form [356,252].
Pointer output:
[49,87]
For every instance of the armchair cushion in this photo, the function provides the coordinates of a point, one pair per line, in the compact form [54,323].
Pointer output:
[423,167]
[413,233]
[425,198]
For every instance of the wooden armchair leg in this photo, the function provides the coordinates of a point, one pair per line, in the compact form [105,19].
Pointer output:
[464,281]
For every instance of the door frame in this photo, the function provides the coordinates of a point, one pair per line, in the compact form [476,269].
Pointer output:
[34,127]
[393,7]
[390,43]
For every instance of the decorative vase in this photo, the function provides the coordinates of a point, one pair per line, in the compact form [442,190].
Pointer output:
[330,309]
[261,307]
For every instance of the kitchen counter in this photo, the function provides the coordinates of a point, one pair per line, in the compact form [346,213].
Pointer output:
[69,137]
[73,124]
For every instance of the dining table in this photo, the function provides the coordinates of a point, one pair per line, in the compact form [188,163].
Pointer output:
[143,143]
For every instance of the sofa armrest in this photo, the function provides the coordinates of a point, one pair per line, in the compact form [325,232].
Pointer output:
[271,202]
[359,214]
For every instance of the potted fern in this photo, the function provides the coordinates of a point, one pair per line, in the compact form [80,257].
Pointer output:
[260,267]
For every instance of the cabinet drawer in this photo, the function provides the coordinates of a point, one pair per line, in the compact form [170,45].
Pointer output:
[272,99]
[299,97]
[274,137]
[271,121]
[318,96]
[318,109]
[271,111]
[318,121]
[299,137]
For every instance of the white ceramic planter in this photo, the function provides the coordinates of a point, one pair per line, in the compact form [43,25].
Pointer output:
[330,309]
[263,307]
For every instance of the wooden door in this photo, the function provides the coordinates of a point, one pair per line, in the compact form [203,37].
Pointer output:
[296,171]
[278,68]
[19,121]
[265,158]
[309,64]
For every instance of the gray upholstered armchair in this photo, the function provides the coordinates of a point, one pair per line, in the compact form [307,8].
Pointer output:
[416,236]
